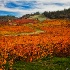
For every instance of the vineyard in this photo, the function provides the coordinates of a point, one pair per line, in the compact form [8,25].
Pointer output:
[30,42]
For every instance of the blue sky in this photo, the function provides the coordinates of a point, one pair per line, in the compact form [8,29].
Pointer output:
[22,7]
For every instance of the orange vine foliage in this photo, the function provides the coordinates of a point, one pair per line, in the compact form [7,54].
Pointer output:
[54,42]
[16,29]
[24,21]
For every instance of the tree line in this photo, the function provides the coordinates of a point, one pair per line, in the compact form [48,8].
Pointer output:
[58,14]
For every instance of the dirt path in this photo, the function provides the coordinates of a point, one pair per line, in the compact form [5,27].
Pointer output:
[36,29]
[21,33]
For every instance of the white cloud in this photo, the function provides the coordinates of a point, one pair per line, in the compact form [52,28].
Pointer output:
[41,5]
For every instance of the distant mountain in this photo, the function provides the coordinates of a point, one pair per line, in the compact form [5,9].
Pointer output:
[6,18]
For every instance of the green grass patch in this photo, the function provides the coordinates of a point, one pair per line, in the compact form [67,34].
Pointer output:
[46,63]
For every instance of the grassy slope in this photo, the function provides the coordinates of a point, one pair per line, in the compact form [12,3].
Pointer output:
[39,17]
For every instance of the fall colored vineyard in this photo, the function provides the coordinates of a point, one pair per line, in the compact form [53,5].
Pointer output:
[16,29]
[24,21]
[55,41]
